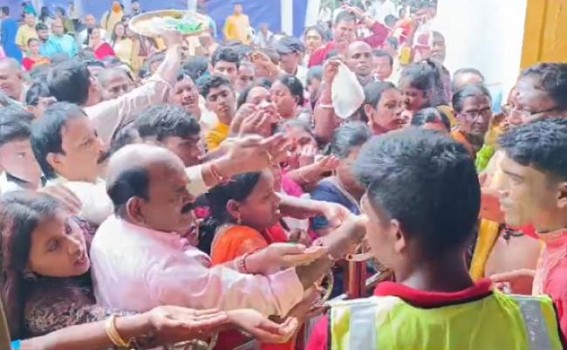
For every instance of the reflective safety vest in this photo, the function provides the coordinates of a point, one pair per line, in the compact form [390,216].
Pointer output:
[497,321]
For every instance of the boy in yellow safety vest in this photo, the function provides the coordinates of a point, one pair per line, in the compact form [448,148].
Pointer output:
[422,201]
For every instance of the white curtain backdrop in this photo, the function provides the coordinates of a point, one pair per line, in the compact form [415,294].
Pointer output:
[286,16]
[312,12]
[485,34]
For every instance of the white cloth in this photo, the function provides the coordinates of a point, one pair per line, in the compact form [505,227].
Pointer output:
[197,184]
[208,119]
[8,186]
[97,205]
[301,74]
[346,92]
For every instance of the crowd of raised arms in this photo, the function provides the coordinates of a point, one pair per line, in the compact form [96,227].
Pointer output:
[156,191]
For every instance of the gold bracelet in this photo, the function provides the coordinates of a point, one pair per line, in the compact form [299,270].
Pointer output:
[112,333]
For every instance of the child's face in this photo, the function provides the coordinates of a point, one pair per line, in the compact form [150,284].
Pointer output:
[386,244]
[414,99]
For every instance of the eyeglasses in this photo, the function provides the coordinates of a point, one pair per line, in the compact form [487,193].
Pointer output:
[475,115]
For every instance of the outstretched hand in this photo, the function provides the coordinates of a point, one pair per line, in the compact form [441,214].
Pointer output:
[255,153]
[279,256]
[261,328]
[172,324]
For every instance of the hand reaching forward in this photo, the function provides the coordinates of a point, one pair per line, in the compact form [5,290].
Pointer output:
[255,153]
[279,256]
[172,324]
[513,281]
[261,328]
[335,214]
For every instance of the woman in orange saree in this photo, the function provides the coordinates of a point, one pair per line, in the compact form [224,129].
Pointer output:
[246,214]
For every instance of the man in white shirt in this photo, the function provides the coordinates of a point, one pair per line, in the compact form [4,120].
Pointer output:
[383,8]
[69,150]
[264,36]
[71,81]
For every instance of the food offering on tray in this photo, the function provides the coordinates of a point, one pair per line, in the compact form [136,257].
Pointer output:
[155,23]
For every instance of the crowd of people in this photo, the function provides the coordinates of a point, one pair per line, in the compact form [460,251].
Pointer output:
[162,190]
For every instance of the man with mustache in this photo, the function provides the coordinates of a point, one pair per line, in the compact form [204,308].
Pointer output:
[69,151]
[67,148]
[540,92]
[186,95]
[359,60]
[140,257]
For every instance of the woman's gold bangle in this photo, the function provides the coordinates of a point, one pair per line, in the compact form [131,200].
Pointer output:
[113,334]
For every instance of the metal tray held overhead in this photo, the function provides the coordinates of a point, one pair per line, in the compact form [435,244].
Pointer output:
[153,24]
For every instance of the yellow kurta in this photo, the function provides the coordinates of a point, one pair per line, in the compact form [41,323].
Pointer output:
[25,33]
[236,27]
[217,135]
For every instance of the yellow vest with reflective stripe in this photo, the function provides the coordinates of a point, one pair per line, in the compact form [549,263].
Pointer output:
[497,321]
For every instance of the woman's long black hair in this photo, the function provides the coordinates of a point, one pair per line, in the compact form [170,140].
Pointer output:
[238,188]
[21,213]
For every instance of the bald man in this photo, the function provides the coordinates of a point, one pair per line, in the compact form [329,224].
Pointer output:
[59,42]
[359,60]
[11,79]
[141,259]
